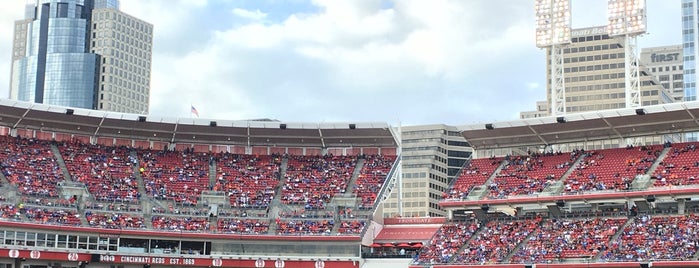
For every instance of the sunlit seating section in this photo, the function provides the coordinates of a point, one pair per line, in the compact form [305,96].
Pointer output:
[113,220]
[351,227]
[30,165]
[530,174]
[189,224]
[447,241]
[56,216]
[496,240]
[371,179]
[568,238]
[312,181]
[476,173]
[174,175]
[611,169]
[679,167]
[243,226]
[250,181]
[10,212]
[656,238]
[108,172]
[304,227]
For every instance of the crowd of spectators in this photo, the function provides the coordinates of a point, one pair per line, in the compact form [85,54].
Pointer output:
[679,167]
[371,179]
[530,174]
[656,238]
[45,215]
[312,181]
[496,240]
[179,176]
[243,226]
[189,224]
[559,239]
[475,173]
[304,226]
[250,181]
[113,220]
[611,169]
[30,165]
[447,241]
[108,172]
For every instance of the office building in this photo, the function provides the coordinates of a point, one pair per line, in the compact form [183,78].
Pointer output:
[432,156]
[83,54]
[665,64]
[594,74]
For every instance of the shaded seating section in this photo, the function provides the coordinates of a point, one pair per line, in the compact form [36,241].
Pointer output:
[568,238]
[106,171]
[496,240]
[312,181]
[174,175]
[52,215]
[611,169]
[193,224]
[679,167]
[243,226]
[474,174]
[30,165]
[371,179]
[112,220]
[447,241]
[530,174]
[656,238]
[304,226]
[249,180]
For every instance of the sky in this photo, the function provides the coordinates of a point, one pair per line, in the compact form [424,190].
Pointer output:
[409,62]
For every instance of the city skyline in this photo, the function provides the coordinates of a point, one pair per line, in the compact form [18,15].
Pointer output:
[330,61]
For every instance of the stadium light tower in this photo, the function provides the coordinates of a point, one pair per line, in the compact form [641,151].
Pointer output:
[628,18]
[553,32]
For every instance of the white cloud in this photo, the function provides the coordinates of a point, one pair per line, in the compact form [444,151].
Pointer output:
[247,14]
[438,61]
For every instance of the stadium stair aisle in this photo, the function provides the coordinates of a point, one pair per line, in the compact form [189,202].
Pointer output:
[61,162]
[478,195]
[212,171]
[643,182]
[275,205]
[613,238]
[557,187]
[4,180]
[355,175]
[520,245]
[146,200]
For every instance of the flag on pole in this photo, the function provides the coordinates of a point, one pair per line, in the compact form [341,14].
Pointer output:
[194,111]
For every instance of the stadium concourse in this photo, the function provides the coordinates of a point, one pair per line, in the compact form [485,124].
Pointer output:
[86,188]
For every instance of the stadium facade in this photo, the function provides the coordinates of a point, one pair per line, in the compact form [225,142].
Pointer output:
[83,54]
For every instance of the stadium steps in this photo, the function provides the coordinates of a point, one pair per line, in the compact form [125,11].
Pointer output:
[481,191]
[558,187]
[645,181]
[61,162]
[212,171]
[355,175]
[276,204]
[521,244]
[3,179]
[613,238]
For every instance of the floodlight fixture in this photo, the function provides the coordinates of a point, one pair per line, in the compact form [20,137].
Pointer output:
[626,17]
[552,22]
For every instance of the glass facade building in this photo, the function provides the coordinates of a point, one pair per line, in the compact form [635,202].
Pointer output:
[54,58]
[689,41]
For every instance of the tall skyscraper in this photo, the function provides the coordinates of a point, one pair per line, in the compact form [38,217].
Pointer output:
[83,54]
[689,41]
